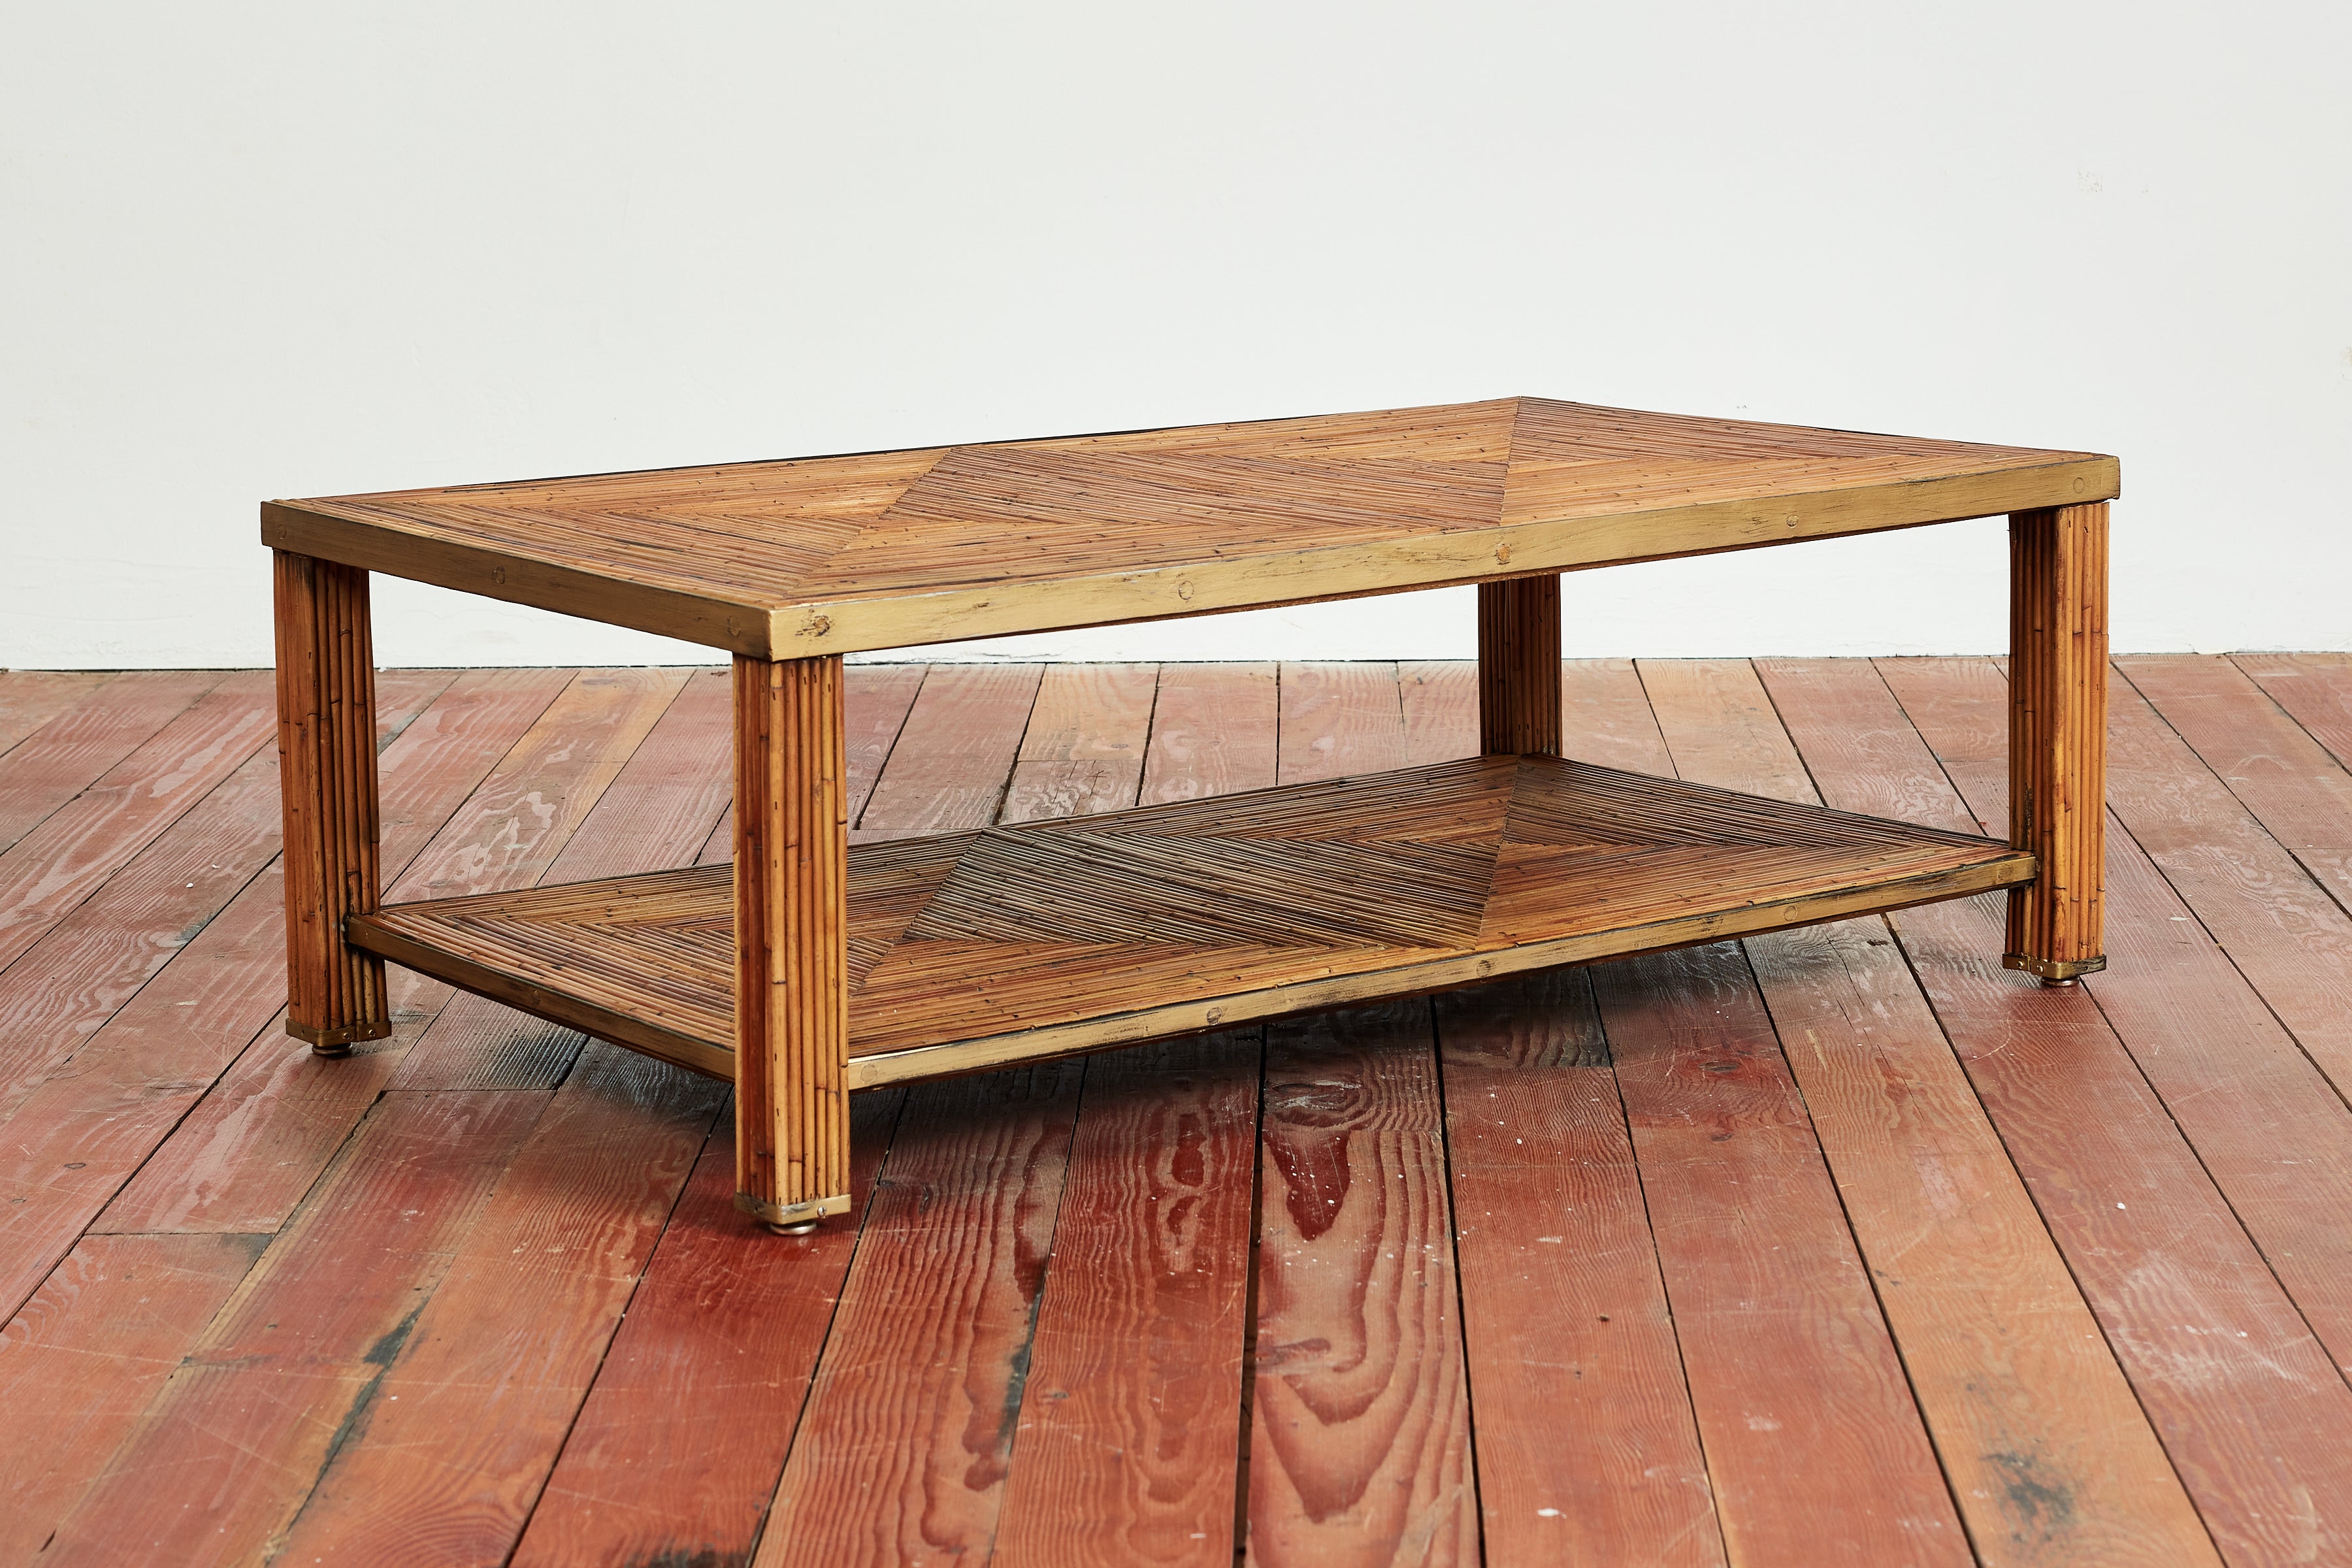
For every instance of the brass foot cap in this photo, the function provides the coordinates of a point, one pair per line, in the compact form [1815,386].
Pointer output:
[2053,968]
[338,1039]
[791,1220]
[2055,984]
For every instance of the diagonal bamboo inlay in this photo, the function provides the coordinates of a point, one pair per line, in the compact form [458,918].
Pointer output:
[975,949]
[813,556]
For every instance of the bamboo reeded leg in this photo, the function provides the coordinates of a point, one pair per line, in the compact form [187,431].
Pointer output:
[1518,666]
[791,952]
[2058,737]
[325,752]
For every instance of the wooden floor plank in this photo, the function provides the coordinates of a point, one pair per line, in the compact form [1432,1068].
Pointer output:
[2282,930]
[1745,1211]
[1212,731]
[654,812]
[70,982]
[1586,1449]
[29,699]
[91,1123]
[508,833]
[1133,1399]
[677,1451]
[728,1320]
[53,868]
[949,764]
[1337,720]
[1813,1446]
[1440,699]
[2242,1395]
[1045,790]
[2261,1115]
[486,1389]
[56,762]
[1083,751]
[87,1353]
[876,697]
[2265,1124]
[435,1435]
[903,1448]
[2024,1398]
[513,827]
[444,1462]
[99,1117]
[1129,1422]
[258,1138]
[1359,1440]
[2315,691]
[669,785]
[91,963]
[1090,710]
[214,1470]
[1359,1443]
[2290,783]
[1605,716]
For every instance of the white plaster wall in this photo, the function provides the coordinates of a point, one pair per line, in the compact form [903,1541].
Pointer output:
[251,250]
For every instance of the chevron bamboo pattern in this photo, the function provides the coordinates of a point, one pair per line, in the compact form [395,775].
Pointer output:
[827,556]
[972,949]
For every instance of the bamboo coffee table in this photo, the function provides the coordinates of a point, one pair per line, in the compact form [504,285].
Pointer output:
[812,968]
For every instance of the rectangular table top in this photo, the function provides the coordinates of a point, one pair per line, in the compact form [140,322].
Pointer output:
[823,555]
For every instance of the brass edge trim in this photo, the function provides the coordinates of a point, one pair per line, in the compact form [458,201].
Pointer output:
[1109,1031]
[1112,1030]
[2054,968]
[1515,549]
[791,1214]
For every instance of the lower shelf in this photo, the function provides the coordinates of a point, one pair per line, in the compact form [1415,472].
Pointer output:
[974,950]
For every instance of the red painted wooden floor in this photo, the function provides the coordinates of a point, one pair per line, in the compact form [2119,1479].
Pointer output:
[1835,1247]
